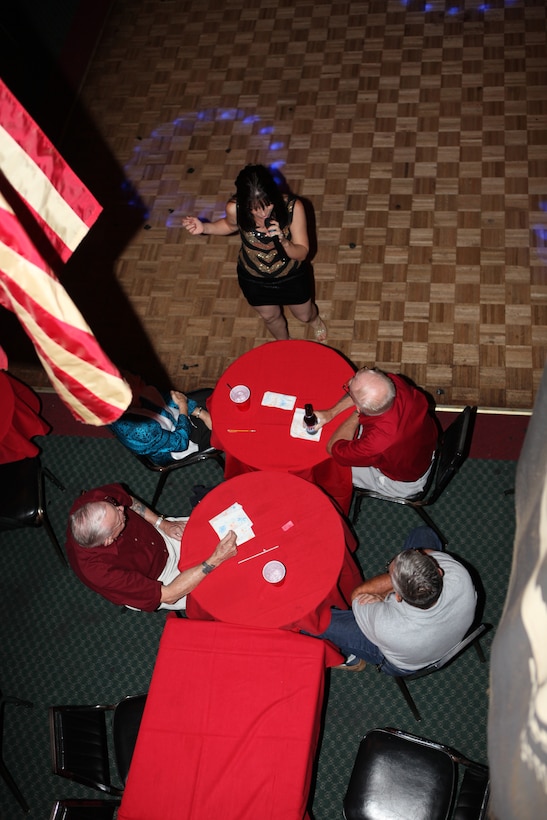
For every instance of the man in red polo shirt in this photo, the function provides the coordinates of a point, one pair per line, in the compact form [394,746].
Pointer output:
[390,440]
[129,555]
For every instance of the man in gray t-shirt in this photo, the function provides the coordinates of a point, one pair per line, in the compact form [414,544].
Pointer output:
[409,616]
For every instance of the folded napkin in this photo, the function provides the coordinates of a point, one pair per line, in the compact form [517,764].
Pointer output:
[297,427]
[281,400]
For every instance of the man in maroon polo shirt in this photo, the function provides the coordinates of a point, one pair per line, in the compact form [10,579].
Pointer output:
[390,439]
[129,555]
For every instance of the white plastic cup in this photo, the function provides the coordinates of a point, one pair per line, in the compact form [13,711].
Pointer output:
[241,396]
[274,572]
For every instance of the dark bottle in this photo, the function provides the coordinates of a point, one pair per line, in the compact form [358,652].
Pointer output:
[310,419]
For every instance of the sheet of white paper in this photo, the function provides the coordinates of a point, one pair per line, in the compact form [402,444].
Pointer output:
[233,518]
[297,427]
[281,400]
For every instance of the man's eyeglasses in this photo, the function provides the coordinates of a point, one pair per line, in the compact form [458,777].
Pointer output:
[346,386]
[120,526]
[114,501]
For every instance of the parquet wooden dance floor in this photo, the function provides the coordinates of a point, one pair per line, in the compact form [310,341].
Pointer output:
[417,134]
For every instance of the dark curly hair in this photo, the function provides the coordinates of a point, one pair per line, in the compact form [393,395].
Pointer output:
[255,185]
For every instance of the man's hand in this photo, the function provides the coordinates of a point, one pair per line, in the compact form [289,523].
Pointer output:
[174,529]
[323,417]
[225,549]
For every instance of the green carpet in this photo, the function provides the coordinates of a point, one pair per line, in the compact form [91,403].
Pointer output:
[61,643]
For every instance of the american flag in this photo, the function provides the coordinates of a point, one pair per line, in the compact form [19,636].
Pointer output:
[45,212]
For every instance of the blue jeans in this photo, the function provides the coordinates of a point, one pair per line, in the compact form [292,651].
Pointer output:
[343,630]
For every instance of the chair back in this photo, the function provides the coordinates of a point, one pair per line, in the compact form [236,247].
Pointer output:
[453,451]
[20,493]
[453,653]
[125,728]
[84,810]
[79,745]
[396,777]
[22,498]
[474,795]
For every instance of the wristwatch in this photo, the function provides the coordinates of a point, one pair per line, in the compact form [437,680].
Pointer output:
[207,568]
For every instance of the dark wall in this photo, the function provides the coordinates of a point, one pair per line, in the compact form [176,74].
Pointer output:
[45,49]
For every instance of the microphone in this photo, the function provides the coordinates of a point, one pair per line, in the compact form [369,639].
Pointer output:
[277,242]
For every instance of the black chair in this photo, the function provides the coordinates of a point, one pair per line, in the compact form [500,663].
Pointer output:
[79,741]
[22,498]
[471,639]
[451,454]
[4,771]
[193,458]
[200,396]
[402,776]
[84,810]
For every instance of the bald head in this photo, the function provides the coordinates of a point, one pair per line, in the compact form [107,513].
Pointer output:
[373,391]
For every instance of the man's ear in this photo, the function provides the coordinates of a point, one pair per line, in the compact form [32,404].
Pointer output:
[398,598]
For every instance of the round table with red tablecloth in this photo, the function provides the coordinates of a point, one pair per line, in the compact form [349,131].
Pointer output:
[291,521]
[259,438]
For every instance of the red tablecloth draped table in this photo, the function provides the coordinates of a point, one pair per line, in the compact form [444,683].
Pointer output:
[230,727]
[297,524]
[314,374]
[20,420]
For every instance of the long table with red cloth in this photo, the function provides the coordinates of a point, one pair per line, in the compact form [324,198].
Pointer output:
[294,522]
[20,420]
[313,373]
[230,726]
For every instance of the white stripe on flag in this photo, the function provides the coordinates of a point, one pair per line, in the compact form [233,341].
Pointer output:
[32,185]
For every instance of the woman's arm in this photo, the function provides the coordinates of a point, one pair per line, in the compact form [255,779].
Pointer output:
[221,227]
[299,246]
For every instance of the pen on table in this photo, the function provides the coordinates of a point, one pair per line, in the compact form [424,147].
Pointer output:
[241,431]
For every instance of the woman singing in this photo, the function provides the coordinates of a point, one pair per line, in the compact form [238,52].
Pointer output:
[271,268]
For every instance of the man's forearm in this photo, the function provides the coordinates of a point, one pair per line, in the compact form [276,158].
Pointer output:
[142,510]
[345,432]
[379,585]
[182,585]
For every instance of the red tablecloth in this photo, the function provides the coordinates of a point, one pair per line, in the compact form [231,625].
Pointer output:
[19,420]
[314,374]
[312,541]
[230,726]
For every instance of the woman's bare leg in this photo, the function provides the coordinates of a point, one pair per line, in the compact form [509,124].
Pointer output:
[274,320]
[309,313]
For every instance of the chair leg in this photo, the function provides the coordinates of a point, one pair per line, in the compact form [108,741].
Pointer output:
[54,480]
[430,523]
[480,651]
[4,772]
[408,697]
[220,461]
[53,538]
[159,489]
[356,508]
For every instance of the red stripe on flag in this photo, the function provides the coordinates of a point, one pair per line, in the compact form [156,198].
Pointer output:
[32,169]
[23,129]
[78,342]
[15,237]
